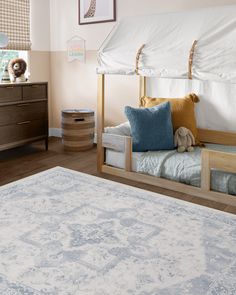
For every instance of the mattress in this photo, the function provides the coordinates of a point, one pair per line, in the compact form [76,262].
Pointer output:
[184,168]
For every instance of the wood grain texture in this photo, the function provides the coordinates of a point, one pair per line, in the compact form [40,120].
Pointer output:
[100,121]
[114,142]
[176,186]
[35,91]
[10,93]
[217,137]
[128,153]
[18,143]
[23,119]
[210,159]
[142,88]
[20,112]
[121,144]
[27,160]
[205,171]
[72,125]
[22,131]
[222,161]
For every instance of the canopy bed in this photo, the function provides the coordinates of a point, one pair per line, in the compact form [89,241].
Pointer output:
[193,50]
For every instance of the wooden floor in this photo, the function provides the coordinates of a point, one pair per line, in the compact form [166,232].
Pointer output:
[24,161]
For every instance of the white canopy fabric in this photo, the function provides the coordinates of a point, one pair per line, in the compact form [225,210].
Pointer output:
[168,39]
[216,109]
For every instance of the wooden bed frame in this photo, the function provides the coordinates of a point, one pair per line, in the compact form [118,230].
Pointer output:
[210,159]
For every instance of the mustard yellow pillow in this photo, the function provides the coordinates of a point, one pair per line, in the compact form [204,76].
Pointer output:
[182,110]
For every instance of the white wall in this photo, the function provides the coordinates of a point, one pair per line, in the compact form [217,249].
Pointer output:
[64,18]
[39,56]
[64,25]
[40,25]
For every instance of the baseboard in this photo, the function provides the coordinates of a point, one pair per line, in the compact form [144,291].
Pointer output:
[55,132]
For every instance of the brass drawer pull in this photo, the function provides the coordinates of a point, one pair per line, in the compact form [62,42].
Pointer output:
[9,87]
[23,104]
[35,86]
[23,123]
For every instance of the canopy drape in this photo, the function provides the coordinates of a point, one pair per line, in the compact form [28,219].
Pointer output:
[168,39]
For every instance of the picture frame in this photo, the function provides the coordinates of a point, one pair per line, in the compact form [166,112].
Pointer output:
[96,11]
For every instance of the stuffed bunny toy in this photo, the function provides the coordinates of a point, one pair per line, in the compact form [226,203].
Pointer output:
[184,140]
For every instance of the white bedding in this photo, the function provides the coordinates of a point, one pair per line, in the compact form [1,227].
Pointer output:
[184,168]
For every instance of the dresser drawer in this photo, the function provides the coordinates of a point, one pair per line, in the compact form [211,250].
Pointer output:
[23,112]
[36,91]
[10,93]
[22,131]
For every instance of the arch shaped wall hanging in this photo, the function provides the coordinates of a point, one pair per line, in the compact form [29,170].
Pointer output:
[76,49]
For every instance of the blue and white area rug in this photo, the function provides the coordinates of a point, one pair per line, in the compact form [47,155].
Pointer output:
[67,233]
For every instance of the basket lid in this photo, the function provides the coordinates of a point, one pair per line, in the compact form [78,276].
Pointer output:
[76,111]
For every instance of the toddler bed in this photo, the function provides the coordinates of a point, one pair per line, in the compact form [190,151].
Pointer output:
[164,47]
[207,172]
[179,167]
[184,168]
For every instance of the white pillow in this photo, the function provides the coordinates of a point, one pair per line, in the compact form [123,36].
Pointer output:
[122,129]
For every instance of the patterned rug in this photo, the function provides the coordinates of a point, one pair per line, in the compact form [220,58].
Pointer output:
[67,233]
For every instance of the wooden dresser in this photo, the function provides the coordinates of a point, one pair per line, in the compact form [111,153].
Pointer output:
[23,114]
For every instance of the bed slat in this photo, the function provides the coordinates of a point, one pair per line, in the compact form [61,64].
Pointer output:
[171,185]
[217,137]
[222,161]
[116,142]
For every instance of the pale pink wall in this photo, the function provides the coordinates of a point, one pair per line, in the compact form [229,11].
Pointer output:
[74,85]
[40,71]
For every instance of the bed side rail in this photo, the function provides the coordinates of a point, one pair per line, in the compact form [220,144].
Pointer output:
[215,160]
[121,144]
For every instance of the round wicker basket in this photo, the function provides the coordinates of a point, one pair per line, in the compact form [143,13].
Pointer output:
[78,129]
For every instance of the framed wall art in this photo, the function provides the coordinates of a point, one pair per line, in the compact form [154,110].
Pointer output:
[96,11]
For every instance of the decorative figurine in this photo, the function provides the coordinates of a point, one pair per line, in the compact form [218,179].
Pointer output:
[16,69]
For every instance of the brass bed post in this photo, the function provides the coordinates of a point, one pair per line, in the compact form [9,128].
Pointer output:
[100,121]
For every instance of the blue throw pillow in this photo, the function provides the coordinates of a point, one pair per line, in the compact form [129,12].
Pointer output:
[151,128]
